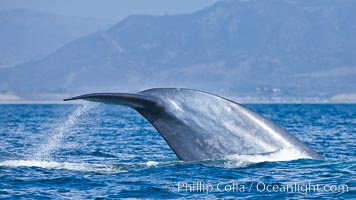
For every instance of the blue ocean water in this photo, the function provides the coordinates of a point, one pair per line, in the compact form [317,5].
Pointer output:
[92,151]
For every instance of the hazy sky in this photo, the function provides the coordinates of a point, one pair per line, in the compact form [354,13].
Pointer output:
[110,9]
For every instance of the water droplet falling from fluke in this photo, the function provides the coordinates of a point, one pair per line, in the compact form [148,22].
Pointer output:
[62,131]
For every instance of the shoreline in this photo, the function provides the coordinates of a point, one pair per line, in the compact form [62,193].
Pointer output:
[239,102]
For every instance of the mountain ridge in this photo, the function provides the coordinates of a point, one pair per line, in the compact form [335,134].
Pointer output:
[27,35]
[245,48]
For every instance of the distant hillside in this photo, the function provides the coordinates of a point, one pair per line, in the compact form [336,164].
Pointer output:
[268,49]
[26,35]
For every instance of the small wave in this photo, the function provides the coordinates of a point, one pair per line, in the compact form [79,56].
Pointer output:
[237,160]
[85,167]
[152,163]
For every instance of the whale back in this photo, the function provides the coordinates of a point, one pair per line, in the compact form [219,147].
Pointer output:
[199,125]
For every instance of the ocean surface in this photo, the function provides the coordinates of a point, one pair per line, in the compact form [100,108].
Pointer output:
[91,151]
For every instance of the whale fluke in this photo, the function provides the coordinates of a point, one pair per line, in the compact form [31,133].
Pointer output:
[199,125]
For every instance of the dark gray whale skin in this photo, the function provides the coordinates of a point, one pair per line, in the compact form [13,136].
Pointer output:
[203,126]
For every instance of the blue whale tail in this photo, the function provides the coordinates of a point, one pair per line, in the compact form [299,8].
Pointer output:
[199,125]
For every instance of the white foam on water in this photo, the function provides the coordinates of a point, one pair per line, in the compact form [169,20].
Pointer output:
[61,131]
[289,154]
[85,167]
[152,163]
